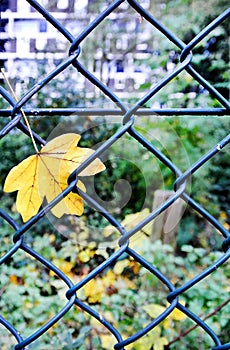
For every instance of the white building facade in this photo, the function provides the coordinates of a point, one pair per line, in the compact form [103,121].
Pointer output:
[115,57]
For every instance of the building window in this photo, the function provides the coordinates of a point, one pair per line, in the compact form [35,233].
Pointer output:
[13,5]
[3,23]
[119,83]
[119,66]
[42,26]
[4,5]
[32,45]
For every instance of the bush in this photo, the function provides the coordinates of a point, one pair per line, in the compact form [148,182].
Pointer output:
[127,295]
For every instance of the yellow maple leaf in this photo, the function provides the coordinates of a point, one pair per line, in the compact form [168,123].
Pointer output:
[45,174]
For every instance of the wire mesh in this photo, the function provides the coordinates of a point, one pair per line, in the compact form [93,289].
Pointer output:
[127,127]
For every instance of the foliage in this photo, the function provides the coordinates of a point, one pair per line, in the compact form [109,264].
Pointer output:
[210,55]
[126,295]
[145,176]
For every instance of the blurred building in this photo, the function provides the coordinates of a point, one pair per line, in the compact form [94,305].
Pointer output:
[114,54]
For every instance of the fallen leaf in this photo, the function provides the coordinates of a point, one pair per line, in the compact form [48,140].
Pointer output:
[63,265]
[45,174]
[132,220]
[84,256]
[14,279]
[109,279]
[160,343]
[152,339]
[120,266]
[154,310]
[177,315]
[143,344]
[107,341]
[94,291]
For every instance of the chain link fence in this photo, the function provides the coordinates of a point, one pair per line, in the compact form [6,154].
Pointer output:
[129,114]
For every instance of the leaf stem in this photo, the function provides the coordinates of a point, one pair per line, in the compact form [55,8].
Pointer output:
[23,113]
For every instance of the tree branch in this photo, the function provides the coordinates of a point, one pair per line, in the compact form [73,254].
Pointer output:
[183,334]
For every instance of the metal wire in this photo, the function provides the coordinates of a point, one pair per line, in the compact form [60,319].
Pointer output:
[127,127]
